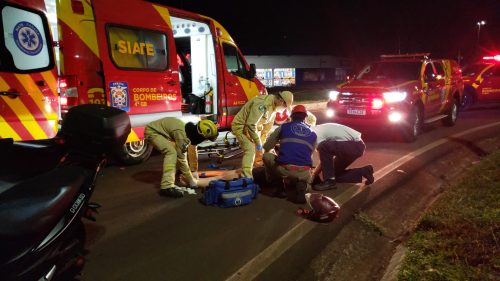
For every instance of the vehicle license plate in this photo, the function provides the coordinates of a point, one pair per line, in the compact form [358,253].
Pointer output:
[355,111]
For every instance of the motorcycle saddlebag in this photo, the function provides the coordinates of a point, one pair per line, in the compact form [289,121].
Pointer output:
[231,193]
[95,127]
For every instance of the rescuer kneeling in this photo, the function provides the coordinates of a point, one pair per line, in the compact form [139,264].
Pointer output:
[257,113]
[297,143]
[172,137]
[339,146]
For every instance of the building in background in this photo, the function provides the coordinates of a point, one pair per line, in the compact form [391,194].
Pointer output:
[283,71]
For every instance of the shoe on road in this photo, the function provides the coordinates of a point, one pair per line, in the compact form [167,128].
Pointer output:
[326,185]
[171,192]
[369,175]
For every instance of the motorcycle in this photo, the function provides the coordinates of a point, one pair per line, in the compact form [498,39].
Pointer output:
[45,190]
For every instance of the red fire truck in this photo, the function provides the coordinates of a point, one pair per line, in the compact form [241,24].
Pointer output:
[403,91]
[152,61]
[29,104]
[482,81]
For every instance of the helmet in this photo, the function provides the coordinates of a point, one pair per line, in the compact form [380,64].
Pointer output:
[299,108]
[287,96]
[207,129]
[310,119]
[324,209]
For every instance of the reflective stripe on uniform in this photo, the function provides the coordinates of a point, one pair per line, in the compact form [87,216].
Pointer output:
[285,140]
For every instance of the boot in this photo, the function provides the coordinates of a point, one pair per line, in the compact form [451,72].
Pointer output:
[369,175]
[326,185]
[171,192]
[300,189]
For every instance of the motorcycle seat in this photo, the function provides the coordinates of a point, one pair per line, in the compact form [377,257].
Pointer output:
[30,209]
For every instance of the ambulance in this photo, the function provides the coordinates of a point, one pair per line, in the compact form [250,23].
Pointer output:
[152,61]
[29,106]
[400,91]
[482,81]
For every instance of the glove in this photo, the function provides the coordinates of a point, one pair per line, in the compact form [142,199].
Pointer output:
[259,147]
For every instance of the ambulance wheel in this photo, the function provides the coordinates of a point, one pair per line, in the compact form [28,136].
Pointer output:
[413,125]
[451,116]
[135,152]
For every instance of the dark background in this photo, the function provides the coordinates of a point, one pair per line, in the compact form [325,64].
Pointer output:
[358,29]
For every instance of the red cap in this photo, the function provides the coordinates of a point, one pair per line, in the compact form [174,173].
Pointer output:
[299,108]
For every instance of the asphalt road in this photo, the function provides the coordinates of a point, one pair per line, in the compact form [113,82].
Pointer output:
[141,236]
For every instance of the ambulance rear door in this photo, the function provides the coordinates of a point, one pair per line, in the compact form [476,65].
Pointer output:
[140,71]
[28,85]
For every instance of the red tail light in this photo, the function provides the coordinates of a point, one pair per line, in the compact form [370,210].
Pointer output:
[63,83]
[68,92]
[64,101]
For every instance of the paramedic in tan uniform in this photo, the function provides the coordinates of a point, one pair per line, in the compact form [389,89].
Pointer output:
[258,112]
[172,137]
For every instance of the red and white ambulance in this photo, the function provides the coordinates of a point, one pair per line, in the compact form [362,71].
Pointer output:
[482,81]
[152,61]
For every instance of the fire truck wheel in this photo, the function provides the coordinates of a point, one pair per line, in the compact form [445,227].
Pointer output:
[451,116]
[134,152]
[413,126]
[468,99]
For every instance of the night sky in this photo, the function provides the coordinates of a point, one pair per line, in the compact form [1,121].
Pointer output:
[357,29]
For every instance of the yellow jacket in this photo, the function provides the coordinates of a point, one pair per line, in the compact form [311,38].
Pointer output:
[258,112]
[172,129]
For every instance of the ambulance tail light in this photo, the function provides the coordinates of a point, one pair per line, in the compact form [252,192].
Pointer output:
[68,93]
[490,58]
[64,101]
[395,96]
[63,84]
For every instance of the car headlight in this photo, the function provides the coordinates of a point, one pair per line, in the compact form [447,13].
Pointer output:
[333,95]
[394,96]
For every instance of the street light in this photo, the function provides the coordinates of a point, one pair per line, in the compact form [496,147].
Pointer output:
[479,24]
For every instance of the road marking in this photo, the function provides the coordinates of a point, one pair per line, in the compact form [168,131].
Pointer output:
[259,263]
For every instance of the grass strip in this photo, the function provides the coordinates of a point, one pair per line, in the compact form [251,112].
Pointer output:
[458,237]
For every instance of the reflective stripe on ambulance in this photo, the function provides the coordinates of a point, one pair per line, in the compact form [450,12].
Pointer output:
[34,114]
